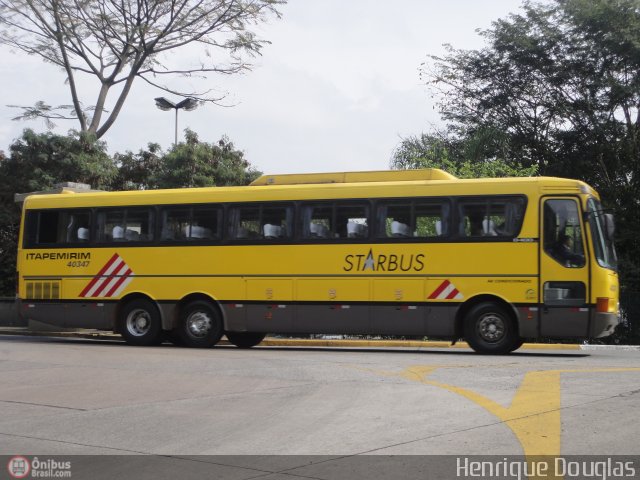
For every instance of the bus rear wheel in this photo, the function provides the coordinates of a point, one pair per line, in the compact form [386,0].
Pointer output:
[490,329]
[245,339]
[200,325]
[140,323]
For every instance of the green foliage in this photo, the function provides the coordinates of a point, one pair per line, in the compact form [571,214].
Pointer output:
[199,164]
[138,171]
[462,158]
[37,161]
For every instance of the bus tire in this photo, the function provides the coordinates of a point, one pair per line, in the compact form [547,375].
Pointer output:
[490,329]
[140,323]
[245,339]
[200,325]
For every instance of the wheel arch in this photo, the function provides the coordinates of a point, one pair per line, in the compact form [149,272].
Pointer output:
[483,298]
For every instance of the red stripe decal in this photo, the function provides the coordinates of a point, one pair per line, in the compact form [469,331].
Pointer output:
[440,289]
[99,274]
[118,283]
[453,293]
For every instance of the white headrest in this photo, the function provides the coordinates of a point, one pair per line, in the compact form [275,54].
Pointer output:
[196,231]
[355,229]
[399,228]
[318,230]
[489,227]
[83,233]
[117,232]
[272,231]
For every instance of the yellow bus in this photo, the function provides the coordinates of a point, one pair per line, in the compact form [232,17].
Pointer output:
[407,253]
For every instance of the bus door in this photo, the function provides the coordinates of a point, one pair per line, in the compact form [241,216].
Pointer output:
[564,272]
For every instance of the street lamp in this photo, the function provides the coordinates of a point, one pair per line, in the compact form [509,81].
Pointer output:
[187,104]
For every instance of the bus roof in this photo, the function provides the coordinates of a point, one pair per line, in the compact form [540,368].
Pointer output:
[427,174]
[311,186]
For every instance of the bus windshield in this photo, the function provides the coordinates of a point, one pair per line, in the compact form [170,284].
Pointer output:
[603,247]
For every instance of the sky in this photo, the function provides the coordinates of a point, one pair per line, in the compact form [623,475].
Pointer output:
[336,90]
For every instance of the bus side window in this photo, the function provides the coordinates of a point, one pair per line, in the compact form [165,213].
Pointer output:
[317,222]
[125,225]
[431,219]
[490,217]
[276,222]
[394,221]
[352,221]
[471,215]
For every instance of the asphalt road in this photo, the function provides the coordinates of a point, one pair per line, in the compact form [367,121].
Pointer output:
[85,397]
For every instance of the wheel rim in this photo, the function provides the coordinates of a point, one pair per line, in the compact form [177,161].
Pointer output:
[491,327]
[138,322]
[199,324]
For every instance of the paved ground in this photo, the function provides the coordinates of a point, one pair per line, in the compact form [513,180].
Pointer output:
[64,396]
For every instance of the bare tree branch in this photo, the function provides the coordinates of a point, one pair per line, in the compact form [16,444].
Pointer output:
[114,42]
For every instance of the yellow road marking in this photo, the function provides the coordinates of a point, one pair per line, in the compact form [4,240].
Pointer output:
[534,413]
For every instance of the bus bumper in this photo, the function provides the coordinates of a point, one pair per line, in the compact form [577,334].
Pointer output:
[603,324]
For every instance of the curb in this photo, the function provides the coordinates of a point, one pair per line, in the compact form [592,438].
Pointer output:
[295,342]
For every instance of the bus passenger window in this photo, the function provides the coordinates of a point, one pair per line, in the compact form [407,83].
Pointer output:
[57,227]
[260,222]
[493,217]
[139,225]
[317,222]
[471,216]
[352,221]
[199,223]
[127,225]
[275,222]
[431,220]
[395,221]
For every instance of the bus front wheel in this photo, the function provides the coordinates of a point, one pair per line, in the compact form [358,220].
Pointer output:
[140,323]
[200,325]
[490,329]
[245,339]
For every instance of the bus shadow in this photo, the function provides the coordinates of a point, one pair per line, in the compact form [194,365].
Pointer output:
[117,342]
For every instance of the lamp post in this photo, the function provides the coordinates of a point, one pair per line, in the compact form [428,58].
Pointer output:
[187,104]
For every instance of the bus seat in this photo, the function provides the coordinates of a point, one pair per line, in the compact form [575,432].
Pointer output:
[117,233]
[242,233]
[83,234]
[196,231]
[272,231]
[438,227]
[355,230]
[489,228]
[399,229]
[131,235]
[318,230]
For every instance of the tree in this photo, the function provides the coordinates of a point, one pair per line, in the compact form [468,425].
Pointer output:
[138,171]
[191,163]
[464,158]
[113,42]
[199,164]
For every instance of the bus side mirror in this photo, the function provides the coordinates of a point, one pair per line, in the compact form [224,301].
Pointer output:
[609,226]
